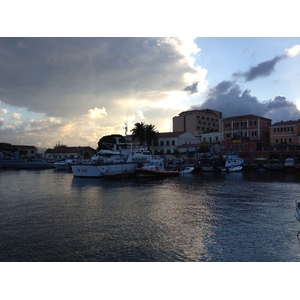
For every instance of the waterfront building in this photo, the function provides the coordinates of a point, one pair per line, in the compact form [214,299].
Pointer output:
[198,121]
[246,133]
[285,134]
[26,151]
[169,142]
[64,152]
[209,137]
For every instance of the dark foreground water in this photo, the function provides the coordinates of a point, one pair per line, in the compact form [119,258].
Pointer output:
[50,216]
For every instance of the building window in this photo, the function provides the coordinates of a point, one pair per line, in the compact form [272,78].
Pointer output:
[244,125]
[235,125]
[227,125]
[161,143]
[253,123]
[167,143]
[173,143]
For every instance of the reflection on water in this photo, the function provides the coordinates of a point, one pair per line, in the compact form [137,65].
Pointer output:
[52,216]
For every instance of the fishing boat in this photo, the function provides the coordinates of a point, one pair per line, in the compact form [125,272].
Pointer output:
[156,168]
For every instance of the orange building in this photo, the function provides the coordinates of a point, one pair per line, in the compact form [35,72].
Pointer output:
[246,133]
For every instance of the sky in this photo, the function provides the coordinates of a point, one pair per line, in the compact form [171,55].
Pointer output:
[234,56]
[73,89]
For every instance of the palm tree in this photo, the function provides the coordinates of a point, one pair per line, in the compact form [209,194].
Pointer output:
[151,134]
[145,133]
[138,132]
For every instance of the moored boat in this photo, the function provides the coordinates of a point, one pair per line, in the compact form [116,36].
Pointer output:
[156,168]
[274,165]
[113,163]
[210,165]
[186,170]
[233,169]
[261,164]
[64,164]
[289,165]
[33,163]
[232,160]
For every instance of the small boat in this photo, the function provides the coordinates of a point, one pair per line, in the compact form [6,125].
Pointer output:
[232,160]
[261,163]
[156,168]
[297,213]
[289,165]
[233,169]
[186,170]
[210,164]
[274,165]
[63,164]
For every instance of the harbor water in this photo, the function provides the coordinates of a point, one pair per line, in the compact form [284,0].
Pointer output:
[52,216]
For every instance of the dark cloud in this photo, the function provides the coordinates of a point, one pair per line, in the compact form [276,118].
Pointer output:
[231,100]
[67,76]
[263,69]
[192,89]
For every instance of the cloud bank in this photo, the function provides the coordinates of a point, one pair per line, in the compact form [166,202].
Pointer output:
[231,100]
[83,88]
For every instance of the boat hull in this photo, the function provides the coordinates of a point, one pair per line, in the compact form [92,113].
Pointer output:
[93,170]
[26,164]
[155,173]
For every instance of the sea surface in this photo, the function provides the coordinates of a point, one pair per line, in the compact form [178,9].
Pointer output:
[52,216]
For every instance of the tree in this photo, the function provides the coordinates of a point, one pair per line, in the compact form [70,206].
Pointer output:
[151,134]
[146,134]
[107,141]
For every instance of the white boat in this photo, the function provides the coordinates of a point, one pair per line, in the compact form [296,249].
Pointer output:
[156,168]
[232,160]
[290,165]
[297,213]
[233,169]
[113,162]
[186,170]
[64,164]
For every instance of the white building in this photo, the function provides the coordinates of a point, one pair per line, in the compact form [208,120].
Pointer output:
[168,142]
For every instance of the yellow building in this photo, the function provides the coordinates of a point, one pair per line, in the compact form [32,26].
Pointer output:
[285,133]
